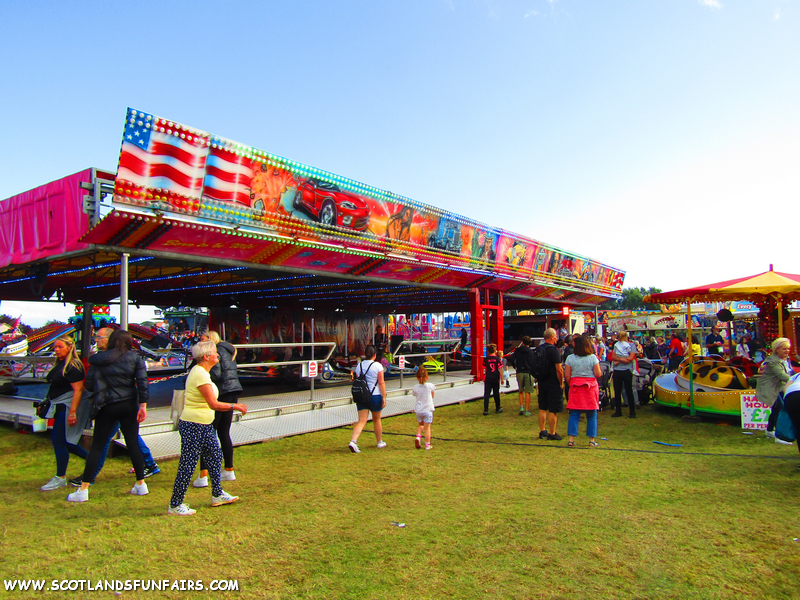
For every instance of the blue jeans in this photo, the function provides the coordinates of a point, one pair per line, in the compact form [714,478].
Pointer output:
[591,422]
[61,447]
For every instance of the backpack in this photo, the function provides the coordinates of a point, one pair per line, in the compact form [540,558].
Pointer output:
[539,364]
[360,390]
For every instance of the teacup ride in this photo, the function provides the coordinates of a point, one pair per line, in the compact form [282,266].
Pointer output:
[718,386]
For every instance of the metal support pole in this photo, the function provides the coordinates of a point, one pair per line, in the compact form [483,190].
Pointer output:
[312,358]
[86,332]
[123,291]
[692,411]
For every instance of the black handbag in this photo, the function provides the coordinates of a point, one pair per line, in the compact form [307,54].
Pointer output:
[42,408]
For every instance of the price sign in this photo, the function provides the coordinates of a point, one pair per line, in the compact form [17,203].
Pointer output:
[401,361]
[312,369]
[755,414]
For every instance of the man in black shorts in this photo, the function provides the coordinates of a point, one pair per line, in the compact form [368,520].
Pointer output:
[551,388]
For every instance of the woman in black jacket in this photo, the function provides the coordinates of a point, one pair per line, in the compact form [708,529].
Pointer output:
[226,377]
[117,380]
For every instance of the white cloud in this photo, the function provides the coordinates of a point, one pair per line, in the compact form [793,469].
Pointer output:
[533,13]
[711,3]
[777,13]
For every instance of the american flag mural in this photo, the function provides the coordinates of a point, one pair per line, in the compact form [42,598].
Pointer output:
[228,175]
[161,158]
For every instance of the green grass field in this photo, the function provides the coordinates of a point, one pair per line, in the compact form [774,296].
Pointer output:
[490,512]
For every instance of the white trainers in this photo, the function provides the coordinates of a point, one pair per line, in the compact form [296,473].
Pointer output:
[79,496]
[780,441]
[381,444]
[200,482]
[54,484]
[140,490]
[227,476]
[770,434]
[183,510]
[223,498]
[352,445]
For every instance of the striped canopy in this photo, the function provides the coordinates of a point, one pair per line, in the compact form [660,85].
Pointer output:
[770,283]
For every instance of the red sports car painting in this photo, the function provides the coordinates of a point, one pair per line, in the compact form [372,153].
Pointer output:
[327,203]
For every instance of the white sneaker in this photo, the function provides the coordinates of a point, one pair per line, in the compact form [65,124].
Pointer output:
[227,476]
[354,447]
[200,482]
[770,434]
[140,490]
[381,444]
[183,510]
[223,498]
[780,441]
[54,484]
[79,496]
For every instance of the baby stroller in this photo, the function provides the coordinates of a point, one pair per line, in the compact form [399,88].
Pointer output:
[643,382]
[604,384]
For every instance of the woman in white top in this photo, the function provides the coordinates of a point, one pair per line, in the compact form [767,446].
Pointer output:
[373,373]
[197,431]
[742,349]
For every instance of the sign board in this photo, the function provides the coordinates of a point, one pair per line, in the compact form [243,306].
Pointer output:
[755,414]
[401,362]
[312,369]
[207,179]
[648,322]
[565,311]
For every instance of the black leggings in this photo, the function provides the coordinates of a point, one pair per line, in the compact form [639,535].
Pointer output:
[222,425]
[125,412]
[491,388]
[791,405]
[624,377]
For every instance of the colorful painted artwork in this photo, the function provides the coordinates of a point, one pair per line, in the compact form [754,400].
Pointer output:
[171,167]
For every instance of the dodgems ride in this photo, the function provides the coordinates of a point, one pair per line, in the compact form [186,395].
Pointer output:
[330,205]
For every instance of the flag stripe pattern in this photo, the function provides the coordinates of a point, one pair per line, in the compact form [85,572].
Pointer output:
[228,176]
[161,158]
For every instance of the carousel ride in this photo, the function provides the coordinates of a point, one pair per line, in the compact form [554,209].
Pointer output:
[710,384]
[718,386]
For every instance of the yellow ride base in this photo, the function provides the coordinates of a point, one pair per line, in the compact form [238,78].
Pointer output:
[669,393]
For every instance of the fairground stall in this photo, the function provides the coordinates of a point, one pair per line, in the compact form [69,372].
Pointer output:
[194,219]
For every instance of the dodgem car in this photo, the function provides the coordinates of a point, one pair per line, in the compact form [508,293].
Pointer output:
[330,205]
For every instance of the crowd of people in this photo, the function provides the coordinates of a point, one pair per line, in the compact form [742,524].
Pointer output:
[114,394]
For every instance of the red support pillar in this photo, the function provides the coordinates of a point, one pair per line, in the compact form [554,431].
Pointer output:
[476,333]
[498,323]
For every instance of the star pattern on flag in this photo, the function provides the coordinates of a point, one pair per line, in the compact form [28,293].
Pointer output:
[138,128]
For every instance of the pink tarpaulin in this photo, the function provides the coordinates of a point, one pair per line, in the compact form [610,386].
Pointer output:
[44,221]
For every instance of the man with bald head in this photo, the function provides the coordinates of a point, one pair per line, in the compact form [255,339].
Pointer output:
[551,387]
[150,466]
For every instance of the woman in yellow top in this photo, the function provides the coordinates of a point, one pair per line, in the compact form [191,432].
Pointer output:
[197,431]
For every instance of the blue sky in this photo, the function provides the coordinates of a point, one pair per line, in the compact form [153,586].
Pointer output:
[661,137]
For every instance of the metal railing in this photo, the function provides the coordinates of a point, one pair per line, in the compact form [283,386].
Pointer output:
[26,368]
[443,353]
[330,345]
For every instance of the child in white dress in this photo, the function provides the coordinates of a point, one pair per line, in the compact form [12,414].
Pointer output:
[423,408]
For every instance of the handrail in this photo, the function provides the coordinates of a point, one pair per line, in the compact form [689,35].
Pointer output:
[331,345]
